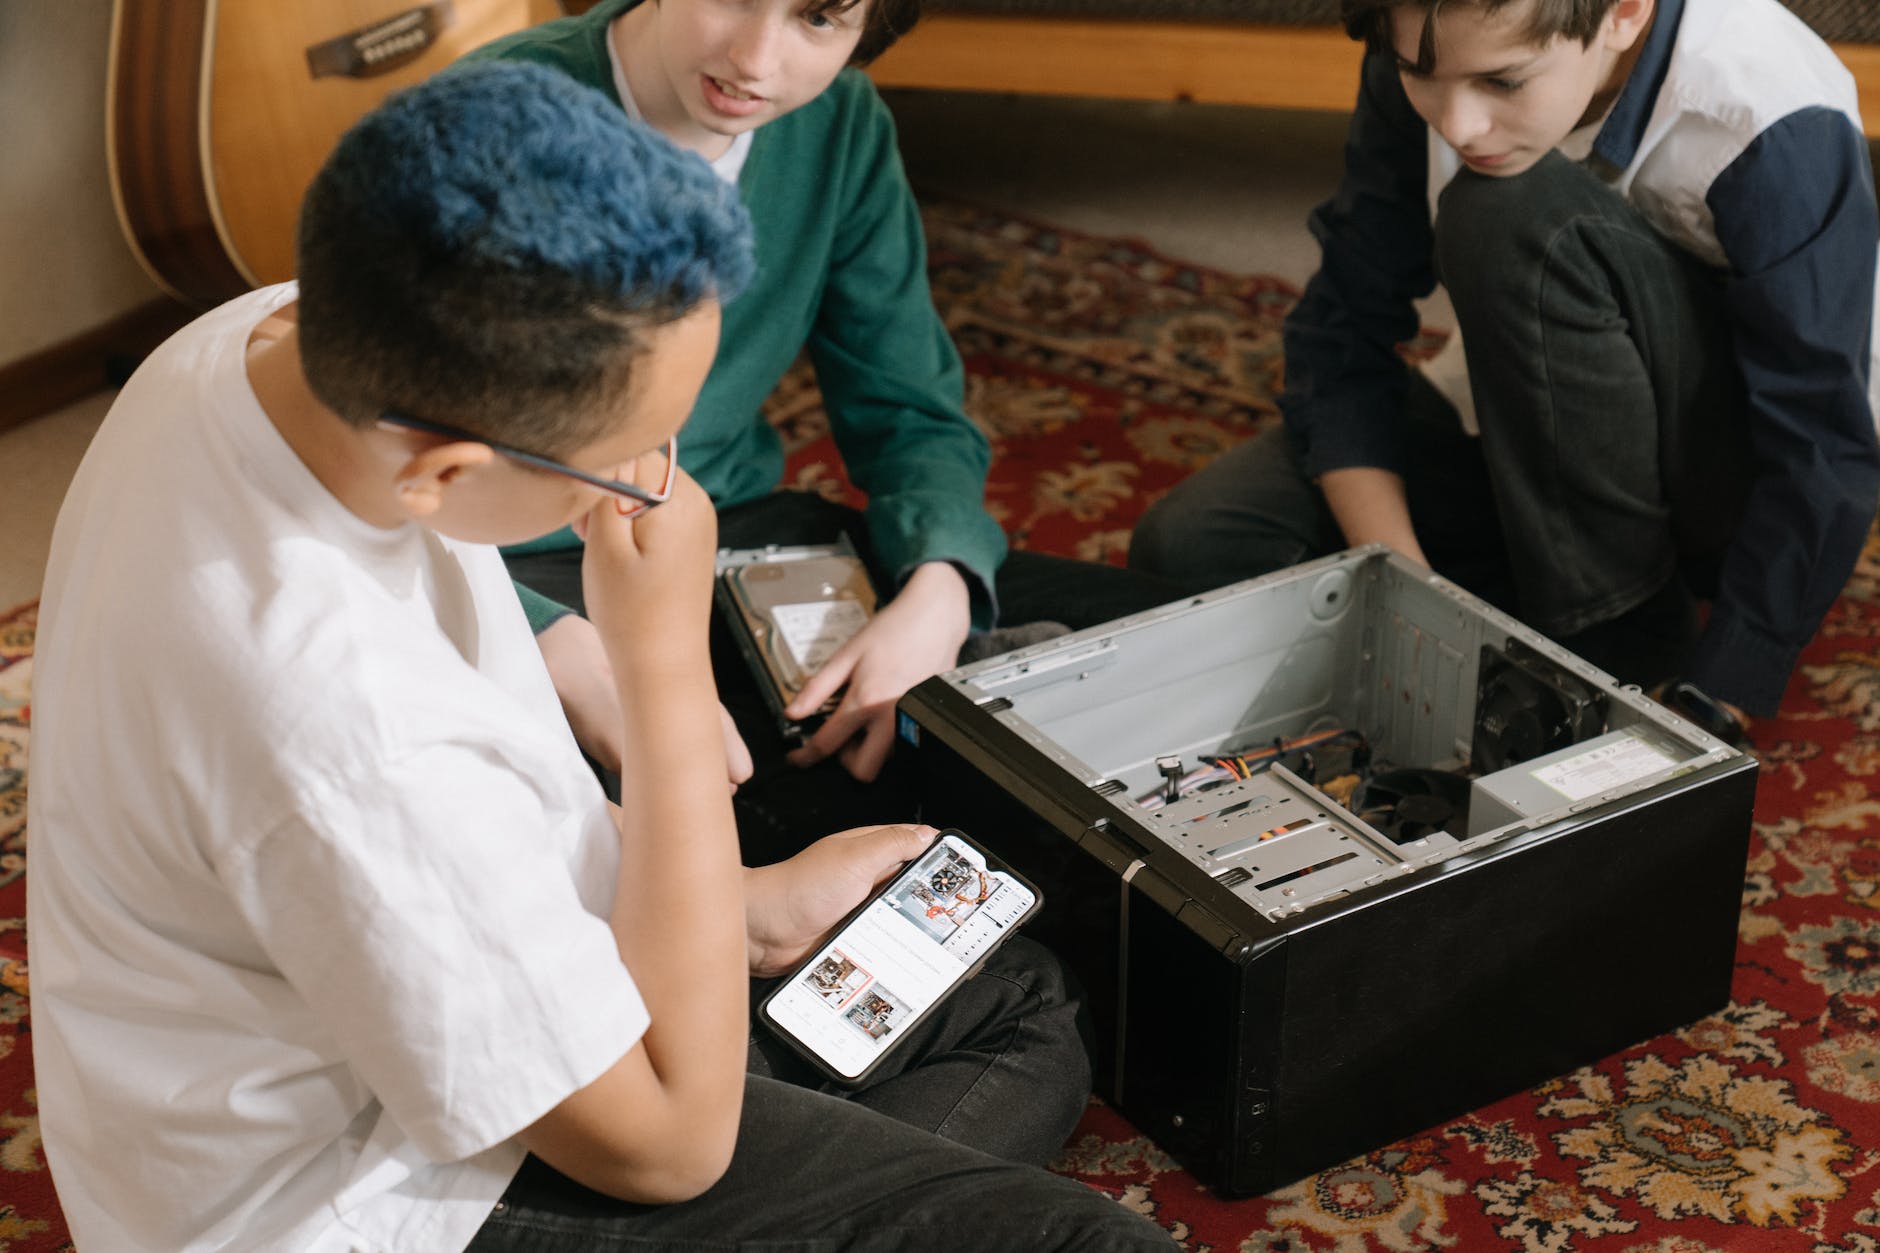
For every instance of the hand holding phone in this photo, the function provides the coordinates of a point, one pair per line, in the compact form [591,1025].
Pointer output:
[896,958]
[792,906]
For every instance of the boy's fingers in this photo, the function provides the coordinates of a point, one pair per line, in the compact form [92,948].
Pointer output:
[830,737]
[738,764]
[607,527]
[822,685]
[864,759]
[899,844]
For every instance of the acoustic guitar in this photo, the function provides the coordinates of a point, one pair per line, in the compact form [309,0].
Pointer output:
[219,113]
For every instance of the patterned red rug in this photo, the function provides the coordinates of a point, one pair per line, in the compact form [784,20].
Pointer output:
[1103,372]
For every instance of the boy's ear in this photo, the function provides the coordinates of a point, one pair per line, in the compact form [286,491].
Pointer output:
[1627,22]
[421,481]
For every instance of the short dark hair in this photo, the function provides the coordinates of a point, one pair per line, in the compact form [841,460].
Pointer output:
[488,248]
[1369,20]
[884,22]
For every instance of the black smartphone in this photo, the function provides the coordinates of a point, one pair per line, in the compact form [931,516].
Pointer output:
[896,958]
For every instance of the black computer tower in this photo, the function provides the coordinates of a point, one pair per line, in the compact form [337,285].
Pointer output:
[1277,984]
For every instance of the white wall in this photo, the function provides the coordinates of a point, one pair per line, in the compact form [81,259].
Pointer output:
[64,265]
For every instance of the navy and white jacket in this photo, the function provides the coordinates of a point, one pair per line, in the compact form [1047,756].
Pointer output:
[1738,136]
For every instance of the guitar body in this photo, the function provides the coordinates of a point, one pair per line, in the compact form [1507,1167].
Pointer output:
[221,112]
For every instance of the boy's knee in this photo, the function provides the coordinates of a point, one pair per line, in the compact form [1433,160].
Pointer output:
[1489,228]
[1485,205]
[1178,539]
[1054,1024]
[1049,997]
[1248,513]
[1155,543]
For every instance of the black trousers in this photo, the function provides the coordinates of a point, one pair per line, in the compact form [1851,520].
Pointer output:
[1614,454]
[942,1150]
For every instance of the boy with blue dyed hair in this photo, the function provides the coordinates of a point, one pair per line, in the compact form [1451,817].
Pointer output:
[337,943]
[1656,221]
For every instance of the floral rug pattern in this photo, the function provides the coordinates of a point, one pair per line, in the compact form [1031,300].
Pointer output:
[1102,373]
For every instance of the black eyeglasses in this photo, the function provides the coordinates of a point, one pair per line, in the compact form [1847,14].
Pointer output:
[642,498]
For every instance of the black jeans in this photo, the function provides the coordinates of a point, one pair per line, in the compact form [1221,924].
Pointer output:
[940,1151]
[1614,455]
[784,807]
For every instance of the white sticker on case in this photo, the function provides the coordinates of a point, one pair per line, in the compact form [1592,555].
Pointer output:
[812,631]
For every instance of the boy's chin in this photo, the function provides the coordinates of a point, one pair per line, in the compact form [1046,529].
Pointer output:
[1504,166]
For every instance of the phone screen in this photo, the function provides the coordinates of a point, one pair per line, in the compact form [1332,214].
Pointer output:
[924,933]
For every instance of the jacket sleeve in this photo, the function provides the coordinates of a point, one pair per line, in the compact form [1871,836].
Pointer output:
[892,379]
[1344,378]
[1795,215]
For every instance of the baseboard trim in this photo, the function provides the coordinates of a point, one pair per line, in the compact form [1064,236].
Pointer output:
[1245,63]
[1296,67]
[70,371]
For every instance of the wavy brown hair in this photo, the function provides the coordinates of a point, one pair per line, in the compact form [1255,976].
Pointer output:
[884,22]
[1369,20]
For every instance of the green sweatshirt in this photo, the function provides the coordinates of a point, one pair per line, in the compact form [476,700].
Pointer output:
[841,272]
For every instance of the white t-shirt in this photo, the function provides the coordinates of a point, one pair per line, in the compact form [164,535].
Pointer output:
[319,882]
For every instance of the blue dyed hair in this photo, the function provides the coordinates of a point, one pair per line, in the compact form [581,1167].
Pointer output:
[487,249]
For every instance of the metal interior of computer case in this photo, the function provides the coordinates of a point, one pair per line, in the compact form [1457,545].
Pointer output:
[1343,852]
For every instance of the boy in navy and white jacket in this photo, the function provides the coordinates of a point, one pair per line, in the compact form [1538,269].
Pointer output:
[1656,221]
